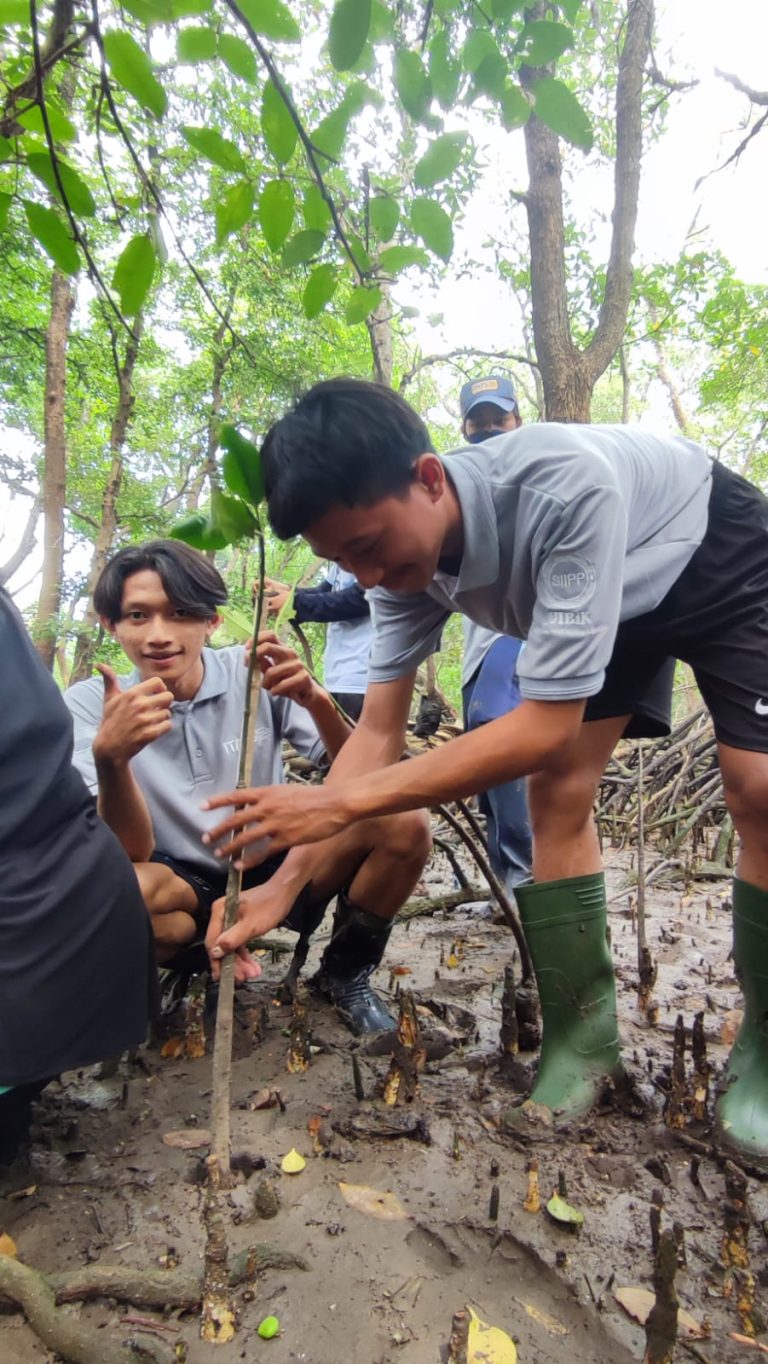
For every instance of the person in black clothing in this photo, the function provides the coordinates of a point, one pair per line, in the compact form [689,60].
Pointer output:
[340,602]
[77,973]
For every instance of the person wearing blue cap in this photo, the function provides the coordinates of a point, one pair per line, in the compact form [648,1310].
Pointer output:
[489,681]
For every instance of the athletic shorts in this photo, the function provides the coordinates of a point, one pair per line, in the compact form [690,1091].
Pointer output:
[209,886]
[714,617]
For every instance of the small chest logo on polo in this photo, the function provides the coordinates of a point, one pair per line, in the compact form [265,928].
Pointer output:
[761,707]
[568,582]
[231,745]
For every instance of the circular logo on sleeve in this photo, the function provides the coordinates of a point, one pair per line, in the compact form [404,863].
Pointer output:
[567,581]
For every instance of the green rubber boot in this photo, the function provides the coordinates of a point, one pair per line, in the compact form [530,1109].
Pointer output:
[742,1111]
[565,925]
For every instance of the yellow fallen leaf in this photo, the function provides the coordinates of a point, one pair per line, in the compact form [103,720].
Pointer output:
[487,1344]
[173,1048]
[748,1342]
[549,1323]
[187,1138]
[7,1245]
[561,1211]
[637,1303]
[386,1206]
[293,1163]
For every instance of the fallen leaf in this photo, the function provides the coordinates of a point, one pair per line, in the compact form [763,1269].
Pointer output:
[7,1246]
[187,1138]
[317,1130]
[293,1163]
[549,1323]
[386,1206]
[487,1344]
[729,1026]
[637,1303]
[452,961]
[172,1048]
[269,1328]
[748,1341]
[22,1193]
[263,1098]
[401,971]
[563,1212]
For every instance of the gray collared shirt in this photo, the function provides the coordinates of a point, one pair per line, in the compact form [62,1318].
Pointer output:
[568,530]
[199,755]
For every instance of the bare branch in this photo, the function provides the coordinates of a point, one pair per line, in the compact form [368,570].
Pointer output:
[26,543]
[462,352]
[755,96]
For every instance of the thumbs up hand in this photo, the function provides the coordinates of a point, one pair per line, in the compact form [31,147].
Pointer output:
[131,719]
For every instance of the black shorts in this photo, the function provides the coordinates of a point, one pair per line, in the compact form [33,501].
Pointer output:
[209,886]
[715,617]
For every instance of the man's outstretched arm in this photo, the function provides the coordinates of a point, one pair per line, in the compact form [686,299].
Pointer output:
[513,746]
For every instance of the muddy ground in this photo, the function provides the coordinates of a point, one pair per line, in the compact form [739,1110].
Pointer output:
[101,1187]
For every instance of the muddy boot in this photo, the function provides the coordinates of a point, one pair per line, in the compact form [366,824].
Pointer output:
[565,928]
[357,946]
[742,1111]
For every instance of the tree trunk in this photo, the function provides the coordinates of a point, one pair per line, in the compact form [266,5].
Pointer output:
[379,326]
[82,665]
[26,543]
[54,466]
[568,374]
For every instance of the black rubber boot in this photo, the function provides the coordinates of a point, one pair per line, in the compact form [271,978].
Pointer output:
[357,945]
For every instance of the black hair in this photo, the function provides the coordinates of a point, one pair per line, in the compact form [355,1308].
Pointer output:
[190,580]
[346,440]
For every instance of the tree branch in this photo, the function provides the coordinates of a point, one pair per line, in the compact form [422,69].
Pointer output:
[26,543]
[755,96]
[462,351]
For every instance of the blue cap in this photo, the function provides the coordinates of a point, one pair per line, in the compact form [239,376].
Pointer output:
[493,389]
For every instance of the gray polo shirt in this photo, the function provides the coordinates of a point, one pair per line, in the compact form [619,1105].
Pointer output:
[199,755]
[568,530]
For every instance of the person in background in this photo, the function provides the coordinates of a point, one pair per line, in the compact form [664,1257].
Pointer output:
[340,602]
[77,975]
[489,681]
[155,743]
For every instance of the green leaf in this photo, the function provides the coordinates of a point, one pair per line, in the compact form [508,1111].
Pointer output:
[319,290]
[432,224]
[384,215]
[5,203]
[359,255]
[185,9]
[134,273]
[396,258]
[543,41]
[302,247]
[78,195]
[563,1212]
[210,144]
[239,57]
[132,69]
[515,109]
[238,625]
[62,129]
[350,22]
[277,206]
[382,22]
[196,44]
[504,9]
[490,76]
[48,229]
[271,18]
[233,210]
[241,466]
[199,532]
[13,12]
[362,302]
[559,108]
[570,9]
[317,214]
[6,149]
[231,517]
[150,12]
[413,85]
[444,70]
[329,135]
[440,160]
[479,45]
[268,1328]
[278,127]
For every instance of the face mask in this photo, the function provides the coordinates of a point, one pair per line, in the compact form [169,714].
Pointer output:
[478,437]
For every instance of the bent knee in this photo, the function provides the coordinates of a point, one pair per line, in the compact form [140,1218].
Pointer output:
[746,795]
[566,799]
[407,836]
[162,890]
